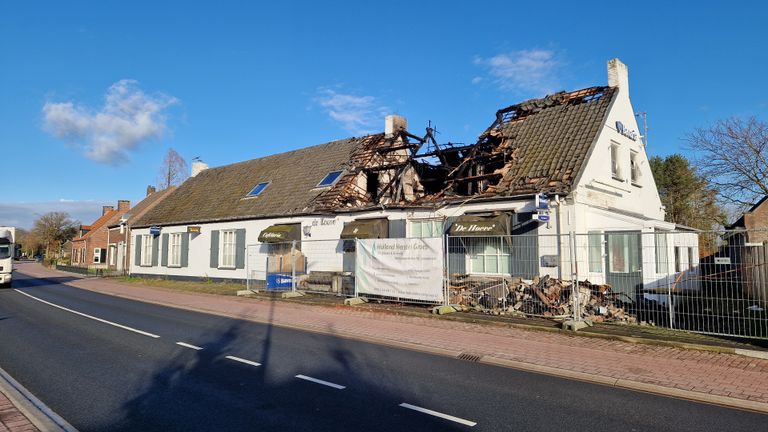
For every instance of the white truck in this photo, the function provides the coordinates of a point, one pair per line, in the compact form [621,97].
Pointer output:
[7,249]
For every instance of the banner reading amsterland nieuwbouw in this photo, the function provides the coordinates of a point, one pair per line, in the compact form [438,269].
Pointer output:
[408,268]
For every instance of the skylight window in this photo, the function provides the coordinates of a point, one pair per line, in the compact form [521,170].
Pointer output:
[329,179]
[258,189]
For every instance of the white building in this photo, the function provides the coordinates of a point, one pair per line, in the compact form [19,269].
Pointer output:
[569,162]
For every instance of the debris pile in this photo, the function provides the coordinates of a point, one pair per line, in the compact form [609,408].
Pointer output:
[545,296]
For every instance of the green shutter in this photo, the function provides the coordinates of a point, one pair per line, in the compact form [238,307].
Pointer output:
[155,250]
[137,252]
[215,249]
[164,261]
[185,250]
[240,249]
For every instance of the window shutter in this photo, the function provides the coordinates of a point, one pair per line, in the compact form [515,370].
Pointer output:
[215,249]
[164,261]
[137,252]
[155,250]
[240,249]
[185,250]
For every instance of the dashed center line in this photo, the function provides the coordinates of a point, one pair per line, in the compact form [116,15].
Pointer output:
[438,414]
[319,381]
[186,345]
[89,316]
[242,360]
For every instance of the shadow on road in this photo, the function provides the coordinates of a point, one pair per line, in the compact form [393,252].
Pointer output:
[204,391]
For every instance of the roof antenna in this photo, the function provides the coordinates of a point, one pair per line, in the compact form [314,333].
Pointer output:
[644,115]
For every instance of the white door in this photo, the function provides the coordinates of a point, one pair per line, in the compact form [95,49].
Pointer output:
[120,255]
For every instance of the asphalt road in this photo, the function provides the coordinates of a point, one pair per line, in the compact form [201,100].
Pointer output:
[131,373]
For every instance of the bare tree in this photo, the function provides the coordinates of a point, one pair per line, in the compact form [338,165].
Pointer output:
[54,228]
[733,155]
[173,171]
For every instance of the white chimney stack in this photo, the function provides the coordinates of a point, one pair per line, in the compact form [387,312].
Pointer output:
[618,75]
[393,124]
[198,167]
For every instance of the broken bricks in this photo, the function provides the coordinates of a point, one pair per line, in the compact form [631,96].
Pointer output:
[542,296]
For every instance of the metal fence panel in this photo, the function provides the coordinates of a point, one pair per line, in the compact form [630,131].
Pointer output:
[708,282]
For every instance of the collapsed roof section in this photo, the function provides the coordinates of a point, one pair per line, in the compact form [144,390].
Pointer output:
[539,145]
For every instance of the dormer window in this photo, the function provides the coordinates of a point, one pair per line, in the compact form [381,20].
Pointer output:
[258,189]
[330,179]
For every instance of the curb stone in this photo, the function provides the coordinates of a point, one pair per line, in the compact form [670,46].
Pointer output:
[42,417]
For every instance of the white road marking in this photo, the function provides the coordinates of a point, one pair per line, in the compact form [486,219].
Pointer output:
[186,345]
[89,316]
[318,381]
[242,360]
[438,414]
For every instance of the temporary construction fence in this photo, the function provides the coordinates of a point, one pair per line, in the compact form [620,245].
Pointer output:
[408,270]
[708,282]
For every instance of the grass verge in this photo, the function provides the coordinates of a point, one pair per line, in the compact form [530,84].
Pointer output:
[208,287]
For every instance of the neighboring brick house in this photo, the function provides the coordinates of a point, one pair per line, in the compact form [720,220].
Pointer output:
[89,248]
[118,248]
[753,224]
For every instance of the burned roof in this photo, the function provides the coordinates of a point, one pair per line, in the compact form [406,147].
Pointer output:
[221,193]
[539,145]
[552,136]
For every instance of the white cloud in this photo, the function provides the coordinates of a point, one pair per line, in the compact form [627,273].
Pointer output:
[24,214]
[128,118]
[359,115]
[527,71]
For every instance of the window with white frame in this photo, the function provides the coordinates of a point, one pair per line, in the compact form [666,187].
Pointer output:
[623,253]
[112,254]
[424,228]
[227,249]
[595,251]
[97,255]
[74,256]
[489,255]
[174,252]
[616,162]
[634,165]
[146,250]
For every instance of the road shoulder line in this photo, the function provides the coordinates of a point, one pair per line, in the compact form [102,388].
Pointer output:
[101,320]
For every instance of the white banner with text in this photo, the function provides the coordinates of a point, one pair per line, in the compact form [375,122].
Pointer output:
[405,268]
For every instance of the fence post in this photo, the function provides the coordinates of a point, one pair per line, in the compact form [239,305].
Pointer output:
[446,272]
[293,265]
[355,272]
[575,292]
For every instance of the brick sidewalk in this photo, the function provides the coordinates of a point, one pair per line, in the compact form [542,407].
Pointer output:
[703,372]
[11,419]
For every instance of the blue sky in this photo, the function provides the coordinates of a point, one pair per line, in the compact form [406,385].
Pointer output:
[93,94]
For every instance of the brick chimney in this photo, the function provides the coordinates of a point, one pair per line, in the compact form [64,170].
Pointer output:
[618,75]
[198,166]
[106,209]
[123,205]
[150,190]
[394,124]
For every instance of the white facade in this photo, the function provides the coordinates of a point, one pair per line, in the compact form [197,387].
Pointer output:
[612,198]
